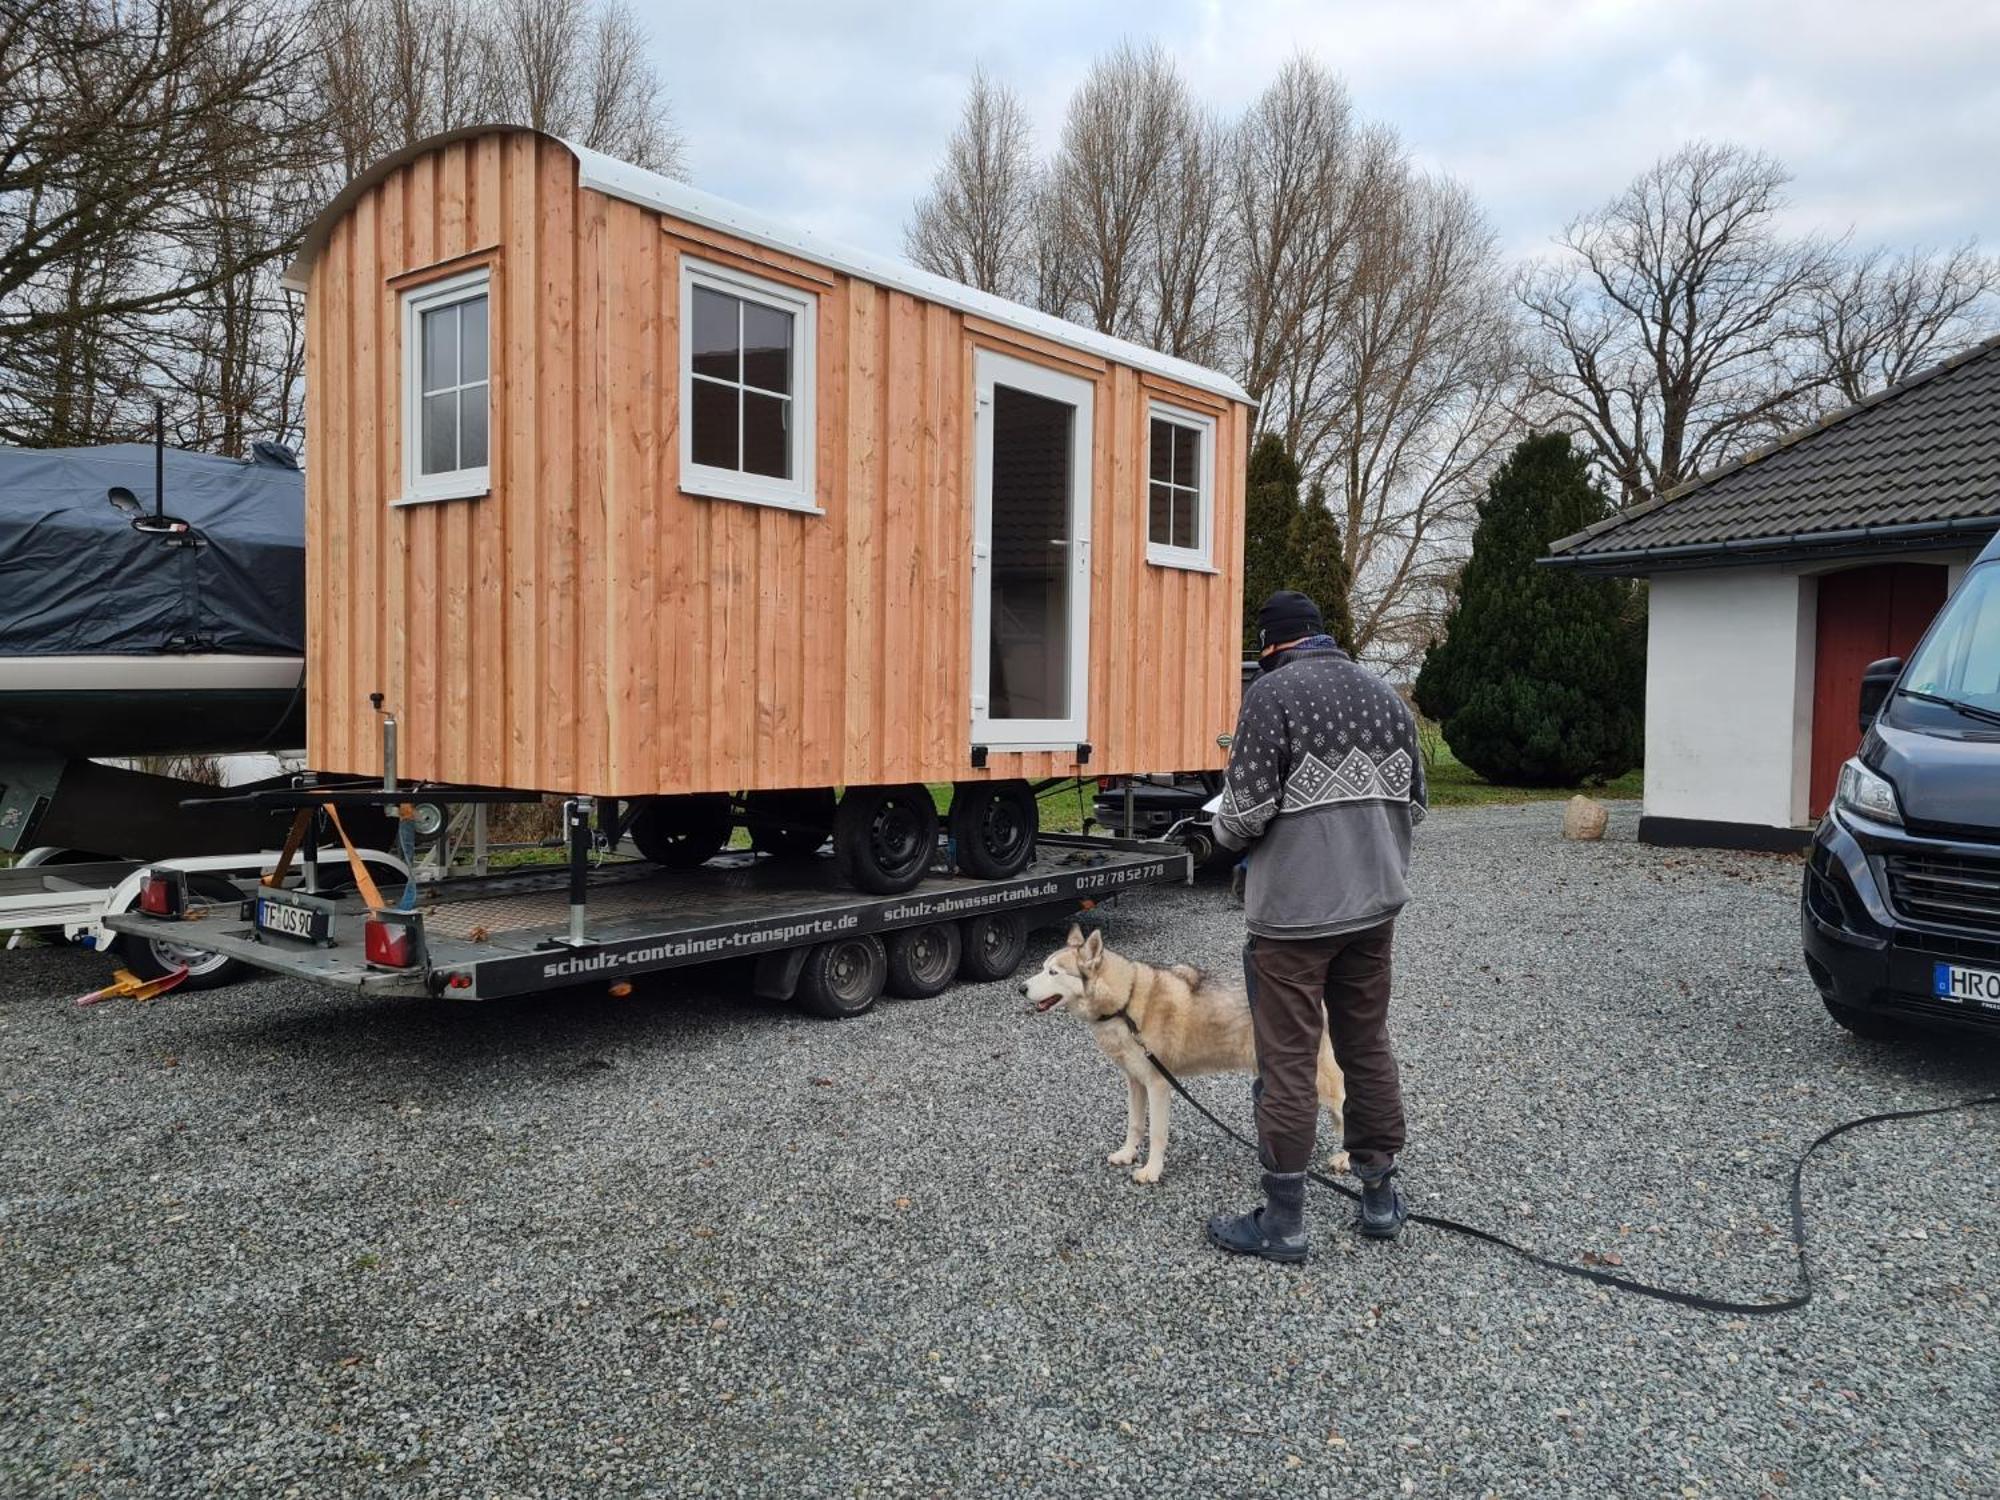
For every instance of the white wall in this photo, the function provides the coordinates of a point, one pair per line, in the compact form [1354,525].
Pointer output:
[1729,677]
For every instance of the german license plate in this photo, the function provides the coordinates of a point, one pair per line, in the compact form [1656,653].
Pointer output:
[305,924]
[1979,987]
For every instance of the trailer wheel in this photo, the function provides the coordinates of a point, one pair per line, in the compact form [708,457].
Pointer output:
[680,832]
[993,827]
[844,977]
[993,946]
[923,961]
[156,958]
[789,824]
[884,837]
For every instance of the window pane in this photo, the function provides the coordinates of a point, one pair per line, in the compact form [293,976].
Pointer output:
[472,426]
[472,340]
[1162,466]
[1028,657]
[1187,455]
[1160,522]
[712,424]
[766,438]
[767,348]
[440,336]
[713,339]
[440,446]
[1187,519]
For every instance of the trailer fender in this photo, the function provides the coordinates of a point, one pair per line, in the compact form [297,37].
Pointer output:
[777,976]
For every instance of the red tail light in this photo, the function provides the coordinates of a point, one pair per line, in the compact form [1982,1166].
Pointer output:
[391,945]
[1107,783]
[156,896]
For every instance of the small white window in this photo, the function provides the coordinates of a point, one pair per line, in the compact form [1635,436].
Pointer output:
[746,388]
[1180,489]
[446,400]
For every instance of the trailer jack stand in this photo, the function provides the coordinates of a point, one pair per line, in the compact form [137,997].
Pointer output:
[576,825]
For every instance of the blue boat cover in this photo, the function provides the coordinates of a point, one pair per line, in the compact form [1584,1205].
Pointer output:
[76,578]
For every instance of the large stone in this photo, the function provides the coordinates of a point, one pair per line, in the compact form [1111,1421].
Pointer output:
[1585,818]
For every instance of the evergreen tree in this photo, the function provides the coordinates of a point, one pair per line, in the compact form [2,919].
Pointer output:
[1540,679]
[1270,504]
[1317,564]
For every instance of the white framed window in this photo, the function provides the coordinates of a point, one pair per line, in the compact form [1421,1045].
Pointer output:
[447,391]
[1180,488]
[746,388]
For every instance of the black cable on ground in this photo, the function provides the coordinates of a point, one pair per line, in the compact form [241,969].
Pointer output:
[1617,1283]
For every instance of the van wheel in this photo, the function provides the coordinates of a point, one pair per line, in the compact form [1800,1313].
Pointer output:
[923,961]
[1863,1023]
[884,837]
[843,978]
[789,824]
[680,832]
[992,946]
[993,827]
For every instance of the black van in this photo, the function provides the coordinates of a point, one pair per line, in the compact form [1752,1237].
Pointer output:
[1901,908]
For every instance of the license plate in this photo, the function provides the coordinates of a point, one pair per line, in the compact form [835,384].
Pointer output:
[304,923]
[1979,987]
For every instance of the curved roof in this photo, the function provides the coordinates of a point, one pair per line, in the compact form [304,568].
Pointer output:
[618,179]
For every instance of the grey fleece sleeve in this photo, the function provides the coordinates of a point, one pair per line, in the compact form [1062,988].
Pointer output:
[1254,782]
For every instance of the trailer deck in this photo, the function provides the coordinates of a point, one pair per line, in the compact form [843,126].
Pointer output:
[506,934]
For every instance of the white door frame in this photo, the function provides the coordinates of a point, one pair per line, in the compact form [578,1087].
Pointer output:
[990,369]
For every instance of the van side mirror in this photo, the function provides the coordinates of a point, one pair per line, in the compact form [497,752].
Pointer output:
[1876,680]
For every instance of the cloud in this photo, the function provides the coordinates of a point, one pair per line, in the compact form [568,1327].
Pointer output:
[835,116]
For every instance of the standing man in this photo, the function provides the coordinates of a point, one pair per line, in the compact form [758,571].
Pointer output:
[1325,785]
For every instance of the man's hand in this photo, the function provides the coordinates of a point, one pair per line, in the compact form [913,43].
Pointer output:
[1239,874]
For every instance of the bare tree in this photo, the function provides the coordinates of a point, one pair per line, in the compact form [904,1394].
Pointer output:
[1117,150]
[1425,401]
[1185,297]
[1673,328]
[976,223]
[580,71]
[120,127]
[1880,317]
[1307,181]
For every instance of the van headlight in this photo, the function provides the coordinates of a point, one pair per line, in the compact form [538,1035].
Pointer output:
[1864,793]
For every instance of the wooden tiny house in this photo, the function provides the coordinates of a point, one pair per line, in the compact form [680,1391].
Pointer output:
[613,487]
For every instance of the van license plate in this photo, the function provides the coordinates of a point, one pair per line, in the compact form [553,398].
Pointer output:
[302,923]
[1979,987]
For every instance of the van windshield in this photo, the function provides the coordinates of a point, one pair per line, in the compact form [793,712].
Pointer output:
[1960,659]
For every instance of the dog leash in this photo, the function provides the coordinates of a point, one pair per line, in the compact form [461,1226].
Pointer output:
[1616,1283]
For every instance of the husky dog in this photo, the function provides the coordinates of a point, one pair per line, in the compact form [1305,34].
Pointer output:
[1191,1021]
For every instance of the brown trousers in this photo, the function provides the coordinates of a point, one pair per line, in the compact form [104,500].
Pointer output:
[1340,984]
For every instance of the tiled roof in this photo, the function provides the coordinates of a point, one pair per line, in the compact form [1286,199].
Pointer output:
[1919,456]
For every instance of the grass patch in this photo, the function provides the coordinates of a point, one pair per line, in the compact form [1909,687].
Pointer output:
[1453,784]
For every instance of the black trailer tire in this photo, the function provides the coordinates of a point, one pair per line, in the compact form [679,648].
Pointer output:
[156,958]
[993,827]
[680,832]
[789,825]
[923,961]
[885,837]
[992,946]
[844,977]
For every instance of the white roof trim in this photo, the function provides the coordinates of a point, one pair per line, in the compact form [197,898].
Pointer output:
[618,179]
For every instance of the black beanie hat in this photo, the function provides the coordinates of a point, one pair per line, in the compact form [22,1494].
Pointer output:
[1286,616]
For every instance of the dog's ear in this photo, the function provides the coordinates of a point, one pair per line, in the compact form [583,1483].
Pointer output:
[1093,950]
[1075,935]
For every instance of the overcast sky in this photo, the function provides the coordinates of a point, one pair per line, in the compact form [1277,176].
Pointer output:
[833,114]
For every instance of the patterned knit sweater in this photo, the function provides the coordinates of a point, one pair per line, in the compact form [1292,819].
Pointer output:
[1326,783]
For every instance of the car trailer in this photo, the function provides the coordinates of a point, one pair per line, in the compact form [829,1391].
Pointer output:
[603,919]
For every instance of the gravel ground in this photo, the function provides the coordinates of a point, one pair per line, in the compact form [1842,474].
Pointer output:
[275,1242]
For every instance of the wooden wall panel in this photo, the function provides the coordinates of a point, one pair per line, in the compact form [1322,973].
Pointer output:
[587,626]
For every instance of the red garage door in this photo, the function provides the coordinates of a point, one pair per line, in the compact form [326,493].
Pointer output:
[1864,615]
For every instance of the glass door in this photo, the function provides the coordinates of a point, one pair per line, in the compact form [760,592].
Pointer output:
[1030,556]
